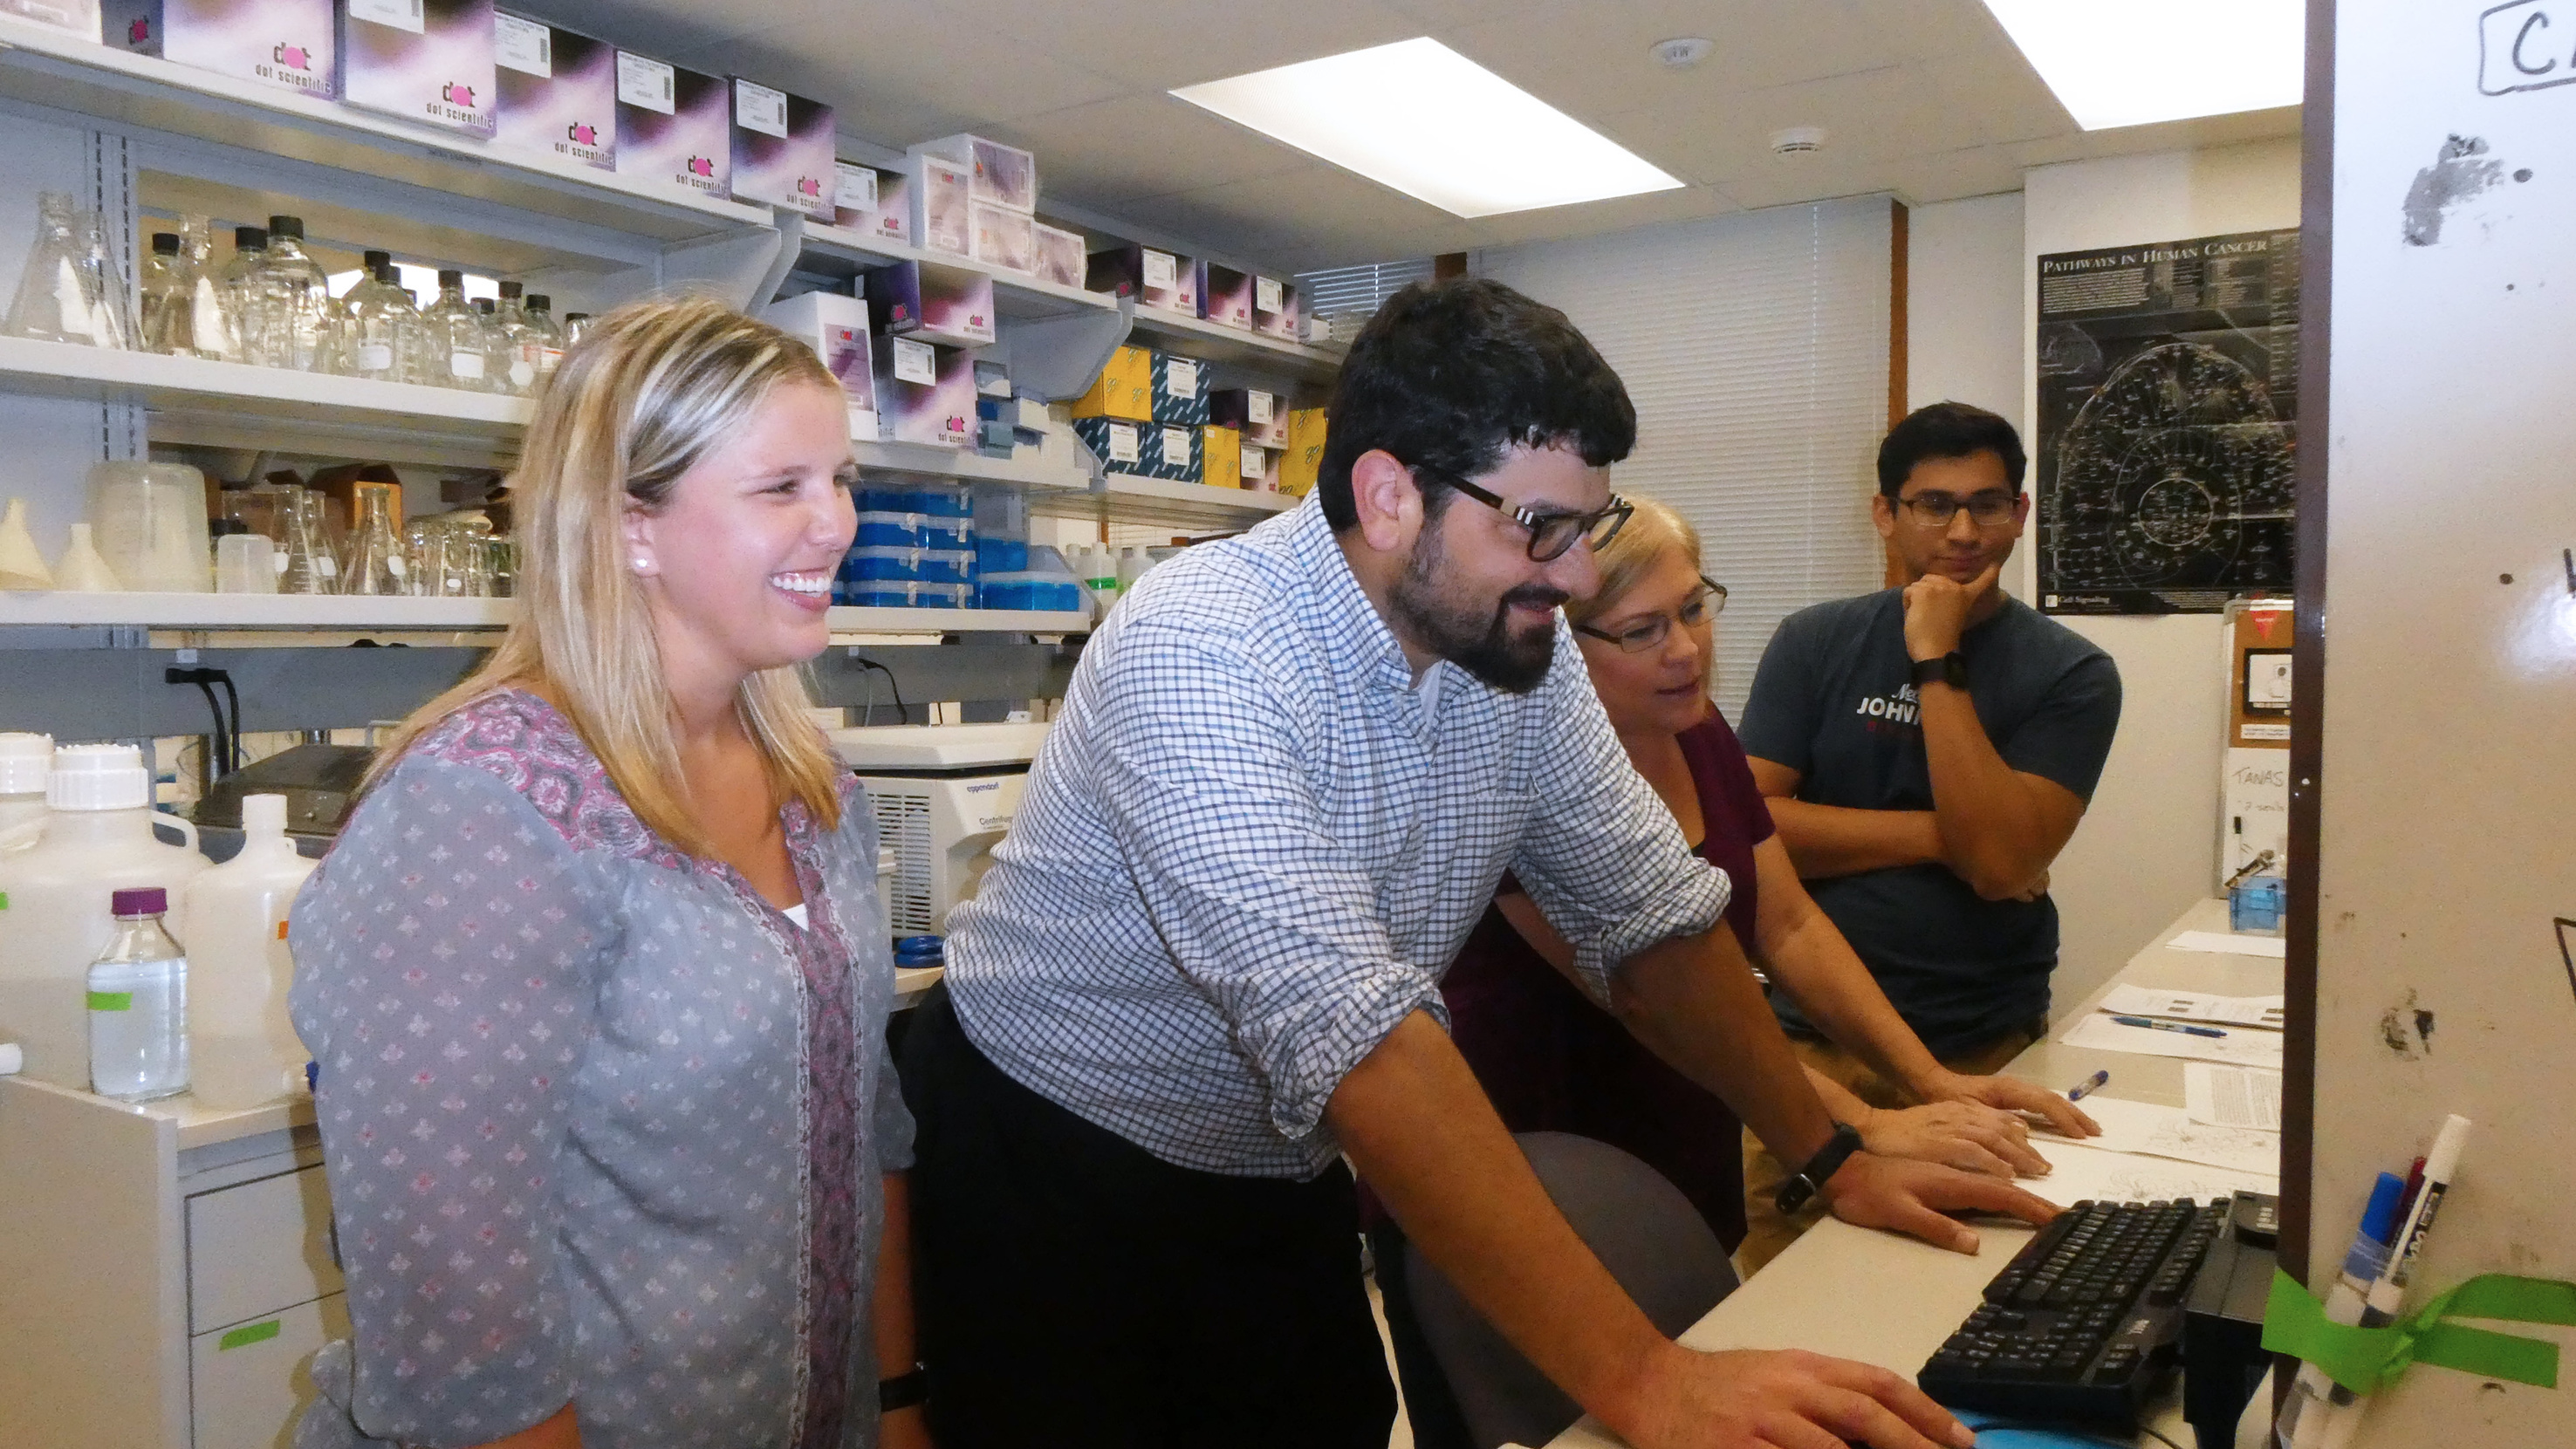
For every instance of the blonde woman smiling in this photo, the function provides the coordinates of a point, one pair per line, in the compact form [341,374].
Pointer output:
[597,974]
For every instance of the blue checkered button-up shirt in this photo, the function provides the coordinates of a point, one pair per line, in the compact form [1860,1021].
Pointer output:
[1250,847]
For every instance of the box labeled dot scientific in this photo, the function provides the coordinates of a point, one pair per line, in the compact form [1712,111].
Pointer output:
[674,125]
[558,91]
[422,60]
[782,151]
[293,45]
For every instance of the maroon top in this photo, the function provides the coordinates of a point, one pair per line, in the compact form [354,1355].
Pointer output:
[1554,1062]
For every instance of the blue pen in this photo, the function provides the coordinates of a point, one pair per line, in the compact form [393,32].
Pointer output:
[2153,1025]
[2088,1086]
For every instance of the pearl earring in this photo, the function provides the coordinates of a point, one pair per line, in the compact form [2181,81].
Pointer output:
[642,564]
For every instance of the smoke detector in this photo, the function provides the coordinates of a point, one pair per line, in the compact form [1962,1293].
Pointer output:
[1797,140]
[1683,52]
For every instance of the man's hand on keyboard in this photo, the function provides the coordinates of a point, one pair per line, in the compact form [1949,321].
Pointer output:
[1871,1191]
[1747,1399]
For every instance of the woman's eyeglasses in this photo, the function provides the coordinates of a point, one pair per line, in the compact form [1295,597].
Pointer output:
[1702,605]
[1550,533]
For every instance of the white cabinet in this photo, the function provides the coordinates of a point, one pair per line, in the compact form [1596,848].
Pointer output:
[165,1274]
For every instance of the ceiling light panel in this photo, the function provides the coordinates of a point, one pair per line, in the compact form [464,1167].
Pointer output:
[1425,120]
[2135,62]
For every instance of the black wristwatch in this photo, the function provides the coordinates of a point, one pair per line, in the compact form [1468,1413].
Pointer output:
[1810,1179]
[903,1390]
[1950,669]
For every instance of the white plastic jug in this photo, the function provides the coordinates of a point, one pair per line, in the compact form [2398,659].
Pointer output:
[242,1050]
[54,899]
[25,760]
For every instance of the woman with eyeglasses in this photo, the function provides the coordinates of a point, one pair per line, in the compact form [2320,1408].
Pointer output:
[1552,1061]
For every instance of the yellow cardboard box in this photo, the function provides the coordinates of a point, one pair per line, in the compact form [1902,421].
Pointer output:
[1221,450]
[1124,389]
[1305,451]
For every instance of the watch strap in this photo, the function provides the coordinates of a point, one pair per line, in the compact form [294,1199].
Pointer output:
[1807,1181]
[1950,669]
[903,1390]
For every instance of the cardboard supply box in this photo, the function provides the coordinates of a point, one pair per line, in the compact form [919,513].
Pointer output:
[1220,457]
[556,90]
[943,206]
[1000,237]
[1225,296]
[836,327]
[1159,279]
[997,175]
[293,45]
[1261,467]
[925,392]
[421,60]
[1060,256]
[1262,417]
[1124,389]
[782,150]
[953,308]
[674,125]
[1119,444]
[875,204]
[1172,452]
[1180,389]
[1274,309]
[1305,453]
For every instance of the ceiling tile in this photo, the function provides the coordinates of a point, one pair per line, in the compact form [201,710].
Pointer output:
[1292,219]
[1594,218]
[1599,57]
[1158,44]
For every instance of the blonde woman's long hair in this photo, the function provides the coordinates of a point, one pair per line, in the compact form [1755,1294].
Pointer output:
[649,391]
[1641,543]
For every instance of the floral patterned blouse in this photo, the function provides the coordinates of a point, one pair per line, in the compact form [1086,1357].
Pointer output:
[601,1123]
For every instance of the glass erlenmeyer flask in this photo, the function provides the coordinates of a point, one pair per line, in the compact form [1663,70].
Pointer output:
[52,305]
[305,564]
[103,281]
[378,564]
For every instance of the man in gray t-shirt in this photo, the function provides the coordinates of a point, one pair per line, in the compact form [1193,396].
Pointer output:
[1928,750]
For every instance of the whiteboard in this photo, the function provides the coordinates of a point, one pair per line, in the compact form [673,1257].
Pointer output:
[2445,785]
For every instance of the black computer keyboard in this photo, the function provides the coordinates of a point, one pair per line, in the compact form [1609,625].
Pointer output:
[2084,1322]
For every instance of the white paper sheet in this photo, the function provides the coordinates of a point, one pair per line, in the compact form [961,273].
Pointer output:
[2089,1172]
[2149,1130]
[2232,1096]
[2228,941]
[2197,1006]
[2242,1046]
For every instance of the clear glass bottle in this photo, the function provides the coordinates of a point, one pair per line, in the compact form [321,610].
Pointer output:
[305,562]
[574,325]
[379,564]
[235,284]
[138,1004]
[550,338]
[523,351]
[51,305]
[372,340]
[169,289]
[294,300]
[457,337]
[206,321]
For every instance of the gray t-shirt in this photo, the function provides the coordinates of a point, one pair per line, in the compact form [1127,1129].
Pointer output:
[1832,702]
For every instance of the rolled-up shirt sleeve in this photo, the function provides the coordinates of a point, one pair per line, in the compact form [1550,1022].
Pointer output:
[1260,907]
[1603,858]
[446,955]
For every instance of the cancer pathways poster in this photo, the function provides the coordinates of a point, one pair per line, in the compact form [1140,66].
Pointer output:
[2168,386]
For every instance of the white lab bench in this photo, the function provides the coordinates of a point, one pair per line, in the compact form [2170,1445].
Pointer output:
[165,1270]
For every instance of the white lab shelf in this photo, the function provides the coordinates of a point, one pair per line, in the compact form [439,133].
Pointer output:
[343,615]
[1190,507]
[49,68]
[1249,350]
[1016,296]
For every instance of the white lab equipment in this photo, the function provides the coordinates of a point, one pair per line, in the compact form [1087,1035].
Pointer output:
[944,795]
[242,1048]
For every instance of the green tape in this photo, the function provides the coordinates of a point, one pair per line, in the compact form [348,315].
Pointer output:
[4,900]
[2366,1359]
[111,1001]
[248,1334]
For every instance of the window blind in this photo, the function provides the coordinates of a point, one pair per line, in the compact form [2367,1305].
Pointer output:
[1755,347]
[1349,296]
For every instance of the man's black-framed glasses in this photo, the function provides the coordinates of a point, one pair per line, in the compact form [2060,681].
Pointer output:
[1987,508]
[1702,605]
[1550,533]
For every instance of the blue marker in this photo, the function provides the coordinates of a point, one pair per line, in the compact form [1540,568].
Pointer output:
[2088,1086]
[2153,1025]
